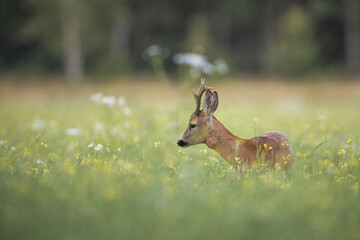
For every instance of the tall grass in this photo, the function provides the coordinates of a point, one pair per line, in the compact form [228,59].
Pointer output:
[121,176]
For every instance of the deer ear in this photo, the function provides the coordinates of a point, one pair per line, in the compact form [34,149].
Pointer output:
[210,102]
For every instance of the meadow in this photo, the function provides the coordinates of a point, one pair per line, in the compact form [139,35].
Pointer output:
[101,162]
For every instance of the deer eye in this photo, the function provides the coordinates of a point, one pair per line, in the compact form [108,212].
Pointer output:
[192,125]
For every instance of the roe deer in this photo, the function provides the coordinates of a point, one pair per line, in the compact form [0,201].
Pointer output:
[205,128]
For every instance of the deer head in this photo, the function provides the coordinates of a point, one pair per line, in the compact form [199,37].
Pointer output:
[200,123]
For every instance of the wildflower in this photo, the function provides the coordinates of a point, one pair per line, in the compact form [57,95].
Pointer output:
[153,51]
[221,66]
[156,144]
[195,60]
[38,125]
[121,101]
[35,171]
[92,144]
[127,111]
[96,97]
[320,118]
[127,124]
[73,131]
[342,152]
[1,142]
[98,127]
[39,161]
[98,147]
[256,120]
[267,147]
[110,100]
[52,123]
[136,139]
[13,148]
[119,149]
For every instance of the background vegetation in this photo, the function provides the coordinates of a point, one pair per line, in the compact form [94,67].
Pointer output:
[102,38]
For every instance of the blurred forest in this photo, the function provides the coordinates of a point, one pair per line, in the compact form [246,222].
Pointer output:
[78,38]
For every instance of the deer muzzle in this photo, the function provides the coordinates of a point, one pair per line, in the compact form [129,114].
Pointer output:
[181,143]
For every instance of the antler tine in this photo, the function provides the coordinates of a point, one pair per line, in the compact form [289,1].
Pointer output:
[198,95]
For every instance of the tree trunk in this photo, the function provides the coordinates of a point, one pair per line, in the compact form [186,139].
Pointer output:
[119,40]
[73,62]
[268,54]
[352,36]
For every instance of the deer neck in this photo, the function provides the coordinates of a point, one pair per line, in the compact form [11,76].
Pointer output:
[224,142]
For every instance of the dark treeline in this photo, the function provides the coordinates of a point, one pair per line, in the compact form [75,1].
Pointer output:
[108,37]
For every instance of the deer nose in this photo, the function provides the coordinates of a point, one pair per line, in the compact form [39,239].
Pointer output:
[181,143]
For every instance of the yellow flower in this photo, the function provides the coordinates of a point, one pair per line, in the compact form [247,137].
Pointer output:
[342,152]
[136,139]
[256,120]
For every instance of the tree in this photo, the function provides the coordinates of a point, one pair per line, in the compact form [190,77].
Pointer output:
[70,24]
[352,35]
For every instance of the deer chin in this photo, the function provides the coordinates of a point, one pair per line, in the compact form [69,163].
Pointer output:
[182,144]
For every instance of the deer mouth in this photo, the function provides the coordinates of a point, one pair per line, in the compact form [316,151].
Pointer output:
[181,143]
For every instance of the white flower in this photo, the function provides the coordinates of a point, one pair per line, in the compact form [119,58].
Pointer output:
[107,149]
[73,131]
[121,101]
[52,123]
[153,51]
[195,60]
[98,147]
[1,142]
[39,161]
[13,148]
[127,111]
[127,124]
[113,131]
[98,127]
[38,125]
[92,144]
[156,144]
[96,97]
[119,149]
[221,66]
[108,100]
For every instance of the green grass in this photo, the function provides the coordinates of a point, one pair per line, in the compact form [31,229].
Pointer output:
[53,186]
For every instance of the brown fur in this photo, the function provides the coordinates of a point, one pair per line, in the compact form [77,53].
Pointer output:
[237,150]
[272,147]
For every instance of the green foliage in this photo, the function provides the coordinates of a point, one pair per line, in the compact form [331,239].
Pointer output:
[113,34]
[297,50]
[57,183]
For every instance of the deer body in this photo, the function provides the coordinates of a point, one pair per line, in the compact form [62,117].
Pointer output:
[205,128]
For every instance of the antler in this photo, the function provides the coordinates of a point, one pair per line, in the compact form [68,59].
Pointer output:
[197,96]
